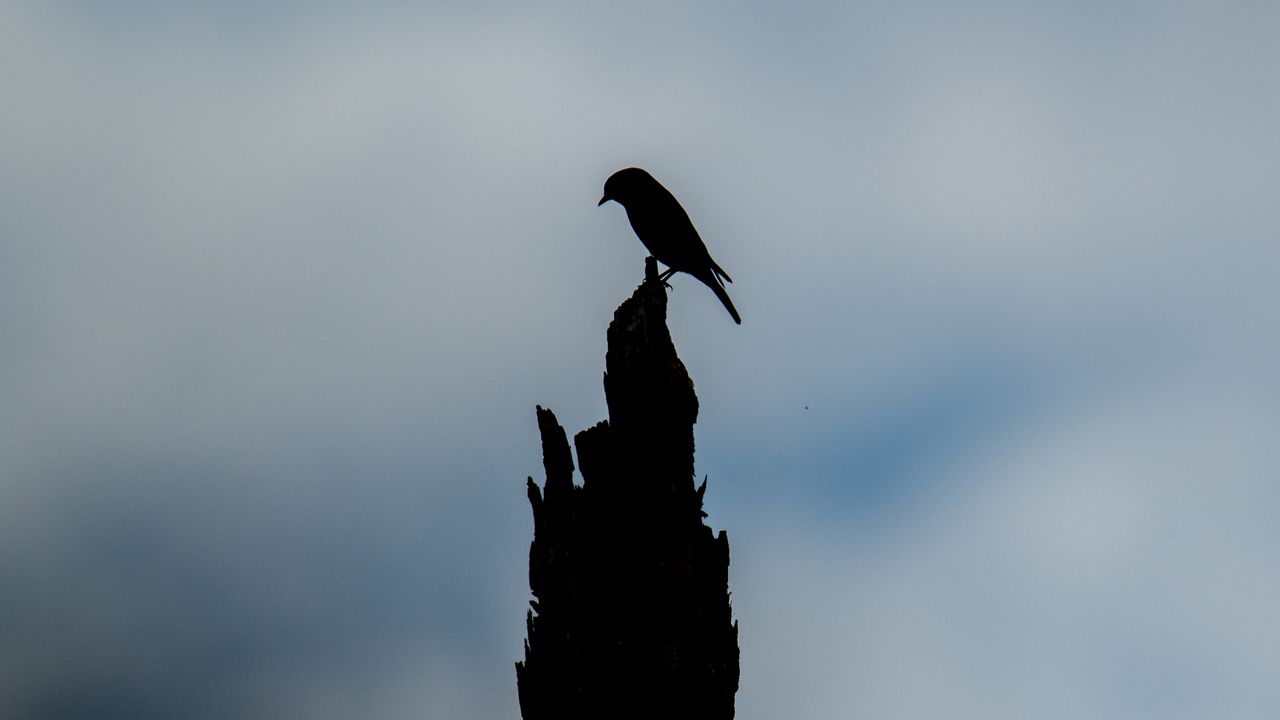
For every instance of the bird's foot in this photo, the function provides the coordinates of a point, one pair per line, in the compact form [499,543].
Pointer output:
[651,272]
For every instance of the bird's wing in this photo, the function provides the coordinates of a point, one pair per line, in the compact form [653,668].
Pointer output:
[719,271]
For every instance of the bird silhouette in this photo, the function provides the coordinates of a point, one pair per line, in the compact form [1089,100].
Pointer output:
[665,229]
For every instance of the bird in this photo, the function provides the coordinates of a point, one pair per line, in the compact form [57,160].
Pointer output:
[666,230]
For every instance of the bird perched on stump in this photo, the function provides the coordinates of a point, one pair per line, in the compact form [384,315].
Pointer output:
[665,229]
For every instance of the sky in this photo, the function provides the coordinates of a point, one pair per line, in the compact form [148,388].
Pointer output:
[281,284]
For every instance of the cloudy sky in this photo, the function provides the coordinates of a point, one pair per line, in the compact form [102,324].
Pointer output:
[281,283]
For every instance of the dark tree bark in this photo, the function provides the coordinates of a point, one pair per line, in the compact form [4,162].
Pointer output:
[631,617]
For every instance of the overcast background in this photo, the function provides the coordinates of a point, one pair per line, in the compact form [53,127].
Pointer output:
[281,283]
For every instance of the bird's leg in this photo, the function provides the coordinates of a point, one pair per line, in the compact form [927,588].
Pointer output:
[651,272]
[666,275]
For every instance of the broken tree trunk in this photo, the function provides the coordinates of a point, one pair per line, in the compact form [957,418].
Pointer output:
[631,617]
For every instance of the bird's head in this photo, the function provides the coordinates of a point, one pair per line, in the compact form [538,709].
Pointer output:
[624,184]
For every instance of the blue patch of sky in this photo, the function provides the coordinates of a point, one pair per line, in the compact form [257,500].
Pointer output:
[878,460]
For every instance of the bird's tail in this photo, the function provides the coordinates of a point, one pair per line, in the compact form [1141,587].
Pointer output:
[712,280]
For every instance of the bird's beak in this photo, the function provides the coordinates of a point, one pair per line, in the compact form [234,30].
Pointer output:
[603,200]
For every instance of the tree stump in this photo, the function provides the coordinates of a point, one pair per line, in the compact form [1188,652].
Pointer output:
[631,616]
